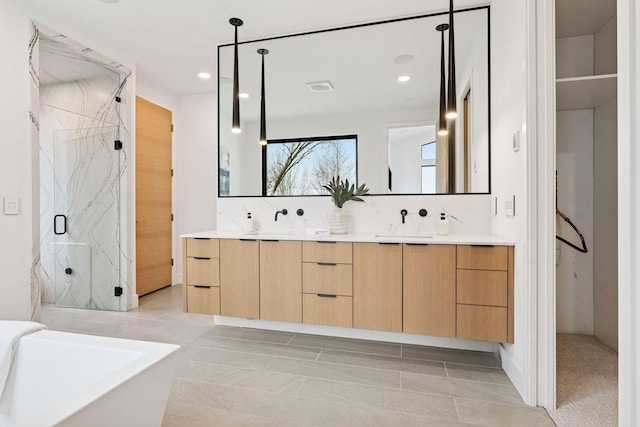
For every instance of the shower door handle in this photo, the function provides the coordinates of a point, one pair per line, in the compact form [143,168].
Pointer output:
[59,221]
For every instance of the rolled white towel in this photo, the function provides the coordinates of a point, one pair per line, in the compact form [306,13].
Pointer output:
[10,333]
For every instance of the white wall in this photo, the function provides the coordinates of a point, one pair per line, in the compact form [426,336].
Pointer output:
[605,238]
[16,179]
[473,76]
[574,274]
[196,168]
[509,113]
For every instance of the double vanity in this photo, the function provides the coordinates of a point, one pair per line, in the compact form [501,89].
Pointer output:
[448,286]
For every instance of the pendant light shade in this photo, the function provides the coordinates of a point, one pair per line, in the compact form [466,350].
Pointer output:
[442,121]
[235,125]
[452,111]
[263,119]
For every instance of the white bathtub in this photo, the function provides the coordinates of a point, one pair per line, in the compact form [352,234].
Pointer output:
[65,379]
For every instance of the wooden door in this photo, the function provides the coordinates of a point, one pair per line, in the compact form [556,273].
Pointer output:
[377,286]
[153,197]
[429,289]
[240,278]
[281,281]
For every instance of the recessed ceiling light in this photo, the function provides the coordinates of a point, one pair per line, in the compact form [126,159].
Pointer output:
[204,75]
[403,59]
[404,78]
[243,95]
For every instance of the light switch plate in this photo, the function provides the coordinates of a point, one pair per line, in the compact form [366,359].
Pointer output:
[510,205]
[11,206]
[516,140]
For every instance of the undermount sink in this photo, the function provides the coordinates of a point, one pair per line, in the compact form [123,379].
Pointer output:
[402,236]
[270,233]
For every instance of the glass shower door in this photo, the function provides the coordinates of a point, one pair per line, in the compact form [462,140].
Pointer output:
[87,170]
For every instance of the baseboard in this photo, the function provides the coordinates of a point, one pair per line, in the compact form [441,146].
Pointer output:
[133,302]
[393,337]
[516,374]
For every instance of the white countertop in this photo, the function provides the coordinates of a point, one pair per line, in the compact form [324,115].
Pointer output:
[452,239]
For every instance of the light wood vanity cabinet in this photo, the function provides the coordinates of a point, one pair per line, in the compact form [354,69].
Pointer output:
[281,280]
[429,289]
[240,278]
[485,293]
[327,283]
[377,286]
[201,293]
[463,291]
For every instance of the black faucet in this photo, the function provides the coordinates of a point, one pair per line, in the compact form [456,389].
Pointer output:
[283,212]
[404,213]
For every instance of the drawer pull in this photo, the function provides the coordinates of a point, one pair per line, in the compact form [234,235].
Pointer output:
[248,240]
[201,238]
[327,263]
[483,246]
[202,287]
[270,240]
[417,244]
[325,241]
[201,257]
[388,243]
[327,296]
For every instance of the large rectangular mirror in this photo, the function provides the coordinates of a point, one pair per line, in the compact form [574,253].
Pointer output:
[321,86]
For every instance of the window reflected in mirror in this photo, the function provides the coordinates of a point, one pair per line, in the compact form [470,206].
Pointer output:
[296,167]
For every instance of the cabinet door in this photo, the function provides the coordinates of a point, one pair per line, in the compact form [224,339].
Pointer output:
[239,278]
[281,281]
[377,286]
[429,290]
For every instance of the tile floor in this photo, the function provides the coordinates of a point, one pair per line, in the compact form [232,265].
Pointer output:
[246,377]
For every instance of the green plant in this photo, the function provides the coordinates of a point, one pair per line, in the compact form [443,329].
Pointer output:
[341,191]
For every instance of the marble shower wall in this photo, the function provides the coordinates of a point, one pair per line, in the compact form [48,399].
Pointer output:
[34,93]
[82,176]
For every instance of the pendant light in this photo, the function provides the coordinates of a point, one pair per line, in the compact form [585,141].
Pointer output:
[452,112]
[235,126]
[263,119]
[442,121]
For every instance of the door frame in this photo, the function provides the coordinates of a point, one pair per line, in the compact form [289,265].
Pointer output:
[628,14]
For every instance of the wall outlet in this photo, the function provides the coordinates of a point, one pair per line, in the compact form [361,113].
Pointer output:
[494,205]
[510,205]
[11,206]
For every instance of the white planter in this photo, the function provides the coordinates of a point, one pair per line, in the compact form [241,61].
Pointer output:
[338,221]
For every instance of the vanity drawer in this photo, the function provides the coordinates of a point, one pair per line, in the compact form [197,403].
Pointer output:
[203,299]
[482,257]
[327,278]
[338,252]
[203,271]
[327,310]
[203,248]
[480,322]
[482,287]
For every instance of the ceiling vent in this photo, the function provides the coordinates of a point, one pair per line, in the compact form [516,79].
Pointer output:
[323,86]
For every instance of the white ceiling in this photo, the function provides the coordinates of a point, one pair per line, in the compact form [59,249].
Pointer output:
[359,63]
[171,41]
